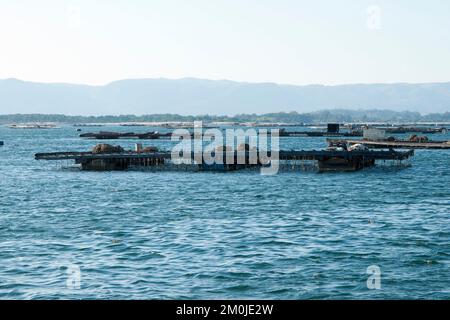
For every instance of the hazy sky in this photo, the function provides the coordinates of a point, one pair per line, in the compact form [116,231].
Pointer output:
[285,41]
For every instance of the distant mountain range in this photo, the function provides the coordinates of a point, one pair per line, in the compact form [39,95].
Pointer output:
[191,96]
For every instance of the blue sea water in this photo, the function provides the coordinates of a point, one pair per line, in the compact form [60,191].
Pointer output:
[186,235]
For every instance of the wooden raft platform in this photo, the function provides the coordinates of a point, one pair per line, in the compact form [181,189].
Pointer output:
[327,160]
[422,130]
[107,135]
[392,144]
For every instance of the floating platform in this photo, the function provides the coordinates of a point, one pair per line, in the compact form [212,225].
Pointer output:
[153,135]
[325,160]
[106,135]
[385,144]
[32,126]
[423,130]
[333,130]
[319,134]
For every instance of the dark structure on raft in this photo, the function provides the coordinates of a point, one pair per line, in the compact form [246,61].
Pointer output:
[327,160]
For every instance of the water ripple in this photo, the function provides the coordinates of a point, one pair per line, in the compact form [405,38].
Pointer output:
[188,235]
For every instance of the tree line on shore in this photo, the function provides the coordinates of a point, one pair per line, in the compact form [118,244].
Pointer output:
[338,115]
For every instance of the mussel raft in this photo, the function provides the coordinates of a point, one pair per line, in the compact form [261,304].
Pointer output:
[115,158]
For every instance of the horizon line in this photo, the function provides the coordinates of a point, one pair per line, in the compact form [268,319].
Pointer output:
[223,80]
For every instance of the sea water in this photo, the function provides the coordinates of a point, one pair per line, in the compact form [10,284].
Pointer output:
[69,234]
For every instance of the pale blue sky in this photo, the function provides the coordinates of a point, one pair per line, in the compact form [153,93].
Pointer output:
[284,41]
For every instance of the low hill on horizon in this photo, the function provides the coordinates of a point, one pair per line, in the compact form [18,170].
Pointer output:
[190,96]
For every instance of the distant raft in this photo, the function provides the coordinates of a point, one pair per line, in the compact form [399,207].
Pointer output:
[107,135]
[389,143]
